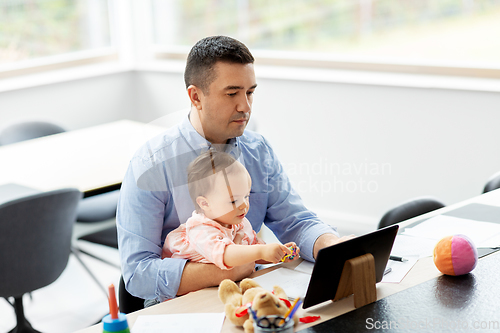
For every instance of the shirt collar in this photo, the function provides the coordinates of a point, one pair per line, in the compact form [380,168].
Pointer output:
[198,142]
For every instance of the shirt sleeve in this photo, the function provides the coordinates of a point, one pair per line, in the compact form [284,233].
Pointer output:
[140,216]
[286,214]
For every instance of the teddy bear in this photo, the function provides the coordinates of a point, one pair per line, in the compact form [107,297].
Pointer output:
[263,302]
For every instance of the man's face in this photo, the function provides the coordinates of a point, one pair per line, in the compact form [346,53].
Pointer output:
[227,105]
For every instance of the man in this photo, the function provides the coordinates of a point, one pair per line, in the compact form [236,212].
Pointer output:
[220,82]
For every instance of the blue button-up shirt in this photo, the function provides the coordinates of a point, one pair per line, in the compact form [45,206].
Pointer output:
[155,199]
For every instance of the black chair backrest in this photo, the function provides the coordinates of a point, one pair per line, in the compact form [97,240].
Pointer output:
[106,237]
[28,130]
[99,207]
[493,183]
[408,210]
[127,302]
[35,239]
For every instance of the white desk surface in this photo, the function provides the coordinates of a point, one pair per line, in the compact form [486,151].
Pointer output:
[87,159]
[207,301]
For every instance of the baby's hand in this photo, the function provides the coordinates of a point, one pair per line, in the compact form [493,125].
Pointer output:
[294,252]
[274,252]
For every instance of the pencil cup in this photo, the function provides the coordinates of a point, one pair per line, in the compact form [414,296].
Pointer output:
[268,326]
[119,325]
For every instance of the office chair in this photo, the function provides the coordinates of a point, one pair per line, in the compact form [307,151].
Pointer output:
[35,243]
[27,131]
[127,302]
[408,210]
[493,183]
[99,208]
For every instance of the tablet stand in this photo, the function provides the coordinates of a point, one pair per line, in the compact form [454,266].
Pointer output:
[358,278]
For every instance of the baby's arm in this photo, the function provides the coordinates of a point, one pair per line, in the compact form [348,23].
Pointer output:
[236,255]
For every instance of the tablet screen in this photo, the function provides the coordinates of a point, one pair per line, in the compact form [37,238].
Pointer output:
[330,262]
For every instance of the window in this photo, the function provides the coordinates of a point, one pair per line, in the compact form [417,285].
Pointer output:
[34,29]
[433,33]
[450,37]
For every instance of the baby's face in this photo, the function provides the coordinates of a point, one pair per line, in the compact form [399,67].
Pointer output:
[228,202]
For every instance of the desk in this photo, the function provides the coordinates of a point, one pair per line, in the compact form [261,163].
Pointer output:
[206,300]
[444,304]
[87,159]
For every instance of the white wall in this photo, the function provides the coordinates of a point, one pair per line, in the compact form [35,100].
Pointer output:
[72,104]
[159,94]
[360,149]
[353,151]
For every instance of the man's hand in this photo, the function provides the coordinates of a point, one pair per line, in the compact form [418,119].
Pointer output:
[197,276]
[326,240]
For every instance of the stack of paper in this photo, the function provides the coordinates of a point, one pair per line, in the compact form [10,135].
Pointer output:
[481,233]
[293,282]
[181,323]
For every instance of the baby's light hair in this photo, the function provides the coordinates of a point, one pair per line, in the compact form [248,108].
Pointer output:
[200,170]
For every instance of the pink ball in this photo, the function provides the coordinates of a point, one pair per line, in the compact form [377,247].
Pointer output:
[455,255]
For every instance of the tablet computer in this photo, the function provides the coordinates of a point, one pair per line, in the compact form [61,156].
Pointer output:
[330,262]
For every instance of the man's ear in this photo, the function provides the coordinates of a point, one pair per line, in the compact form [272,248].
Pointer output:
[203,203]
[195,94]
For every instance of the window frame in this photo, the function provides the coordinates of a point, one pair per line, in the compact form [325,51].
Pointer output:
[327,61]
[62,61]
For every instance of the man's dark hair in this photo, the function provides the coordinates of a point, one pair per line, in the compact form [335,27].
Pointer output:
[206,53]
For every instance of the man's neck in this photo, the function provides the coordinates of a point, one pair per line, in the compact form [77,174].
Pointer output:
[194,119]
[196,122]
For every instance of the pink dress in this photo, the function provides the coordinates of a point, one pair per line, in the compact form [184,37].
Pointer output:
[201,239]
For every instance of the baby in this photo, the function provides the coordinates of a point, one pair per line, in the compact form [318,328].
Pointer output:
[218,231]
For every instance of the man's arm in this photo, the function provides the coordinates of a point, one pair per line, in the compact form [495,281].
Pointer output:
[148,276]
[212,276]
[326,240]
[140,224]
